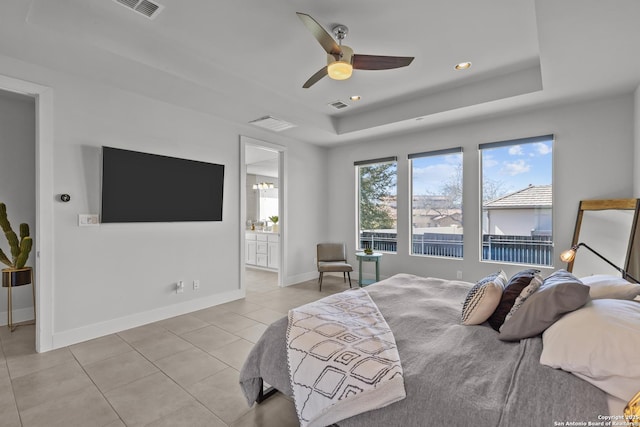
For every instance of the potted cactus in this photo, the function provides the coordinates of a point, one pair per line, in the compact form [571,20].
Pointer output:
[17,274]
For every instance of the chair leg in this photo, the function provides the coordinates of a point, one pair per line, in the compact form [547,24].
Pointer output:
[344,276]
[349,274]
[320,281]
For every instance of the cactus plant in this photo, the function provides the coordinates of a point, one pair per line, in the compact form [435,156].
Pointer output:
[20,249]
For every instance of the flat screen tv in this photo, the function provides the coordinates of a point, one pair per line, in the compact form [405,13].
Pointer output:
[142,187]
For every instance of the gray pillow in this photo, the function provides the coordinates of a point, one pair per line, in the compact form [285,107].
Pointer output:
[560,293]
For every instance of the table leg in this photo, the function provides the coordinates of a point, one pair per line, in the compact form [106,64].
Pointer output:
[10,307]
[378,269]
[360,272]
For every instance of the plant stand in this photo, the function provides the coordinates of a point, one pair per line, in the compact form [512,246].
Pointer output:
[12,277]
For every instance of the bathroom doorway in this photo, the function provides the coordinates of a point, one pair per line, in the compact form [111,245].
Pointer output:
[262,218]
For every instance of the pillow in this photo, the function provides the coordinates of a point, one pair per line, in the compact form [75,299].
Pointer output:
[559,293]
[516,284]
[599,343]
[483,299]
[533,286]
[605,286]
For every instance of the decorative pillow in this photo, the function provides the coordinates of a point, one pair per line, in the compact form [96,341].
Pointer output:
[533,286]
[483,299]
[606,286]
[599,343]
[559,293]
[514,288]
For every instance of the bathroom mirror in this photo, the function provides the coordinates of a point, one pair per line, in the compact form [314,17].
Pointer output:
[610,228]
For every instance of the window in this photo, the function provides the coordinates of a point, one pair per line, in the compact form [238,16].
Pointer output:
[517,202]
[377,208]
[436,203]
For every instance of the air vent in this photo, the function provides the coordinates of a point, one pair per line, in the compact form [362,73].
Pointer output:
[271,123]
[143,7]
[338,105]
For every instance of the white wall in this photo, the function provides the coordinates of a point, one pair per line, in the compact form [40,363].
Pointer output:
[17,187]
[518,222]
[117,276]
[592,159]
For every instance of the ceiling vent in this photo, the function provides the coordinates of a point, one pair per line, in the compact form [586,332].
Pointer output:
[271,123]
[143,7]
[338,105]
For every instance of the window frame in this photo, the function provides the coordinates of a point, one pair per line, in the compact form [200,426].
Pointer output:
[371,162]
[434,153]
[550,243]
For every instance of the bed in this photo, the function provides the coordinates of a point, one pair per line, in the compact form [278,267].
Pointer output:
[454,374]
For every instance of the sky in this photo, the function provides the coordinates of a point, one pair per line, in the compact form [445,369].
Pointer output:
[518,166]
[430,173]
[514,167]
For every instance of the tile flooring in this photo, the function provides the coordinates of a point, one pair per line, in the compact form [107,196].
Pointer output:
[181,371]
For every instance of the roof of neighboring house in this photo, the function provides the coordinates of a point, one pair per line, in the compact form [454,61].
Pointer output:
[534,196]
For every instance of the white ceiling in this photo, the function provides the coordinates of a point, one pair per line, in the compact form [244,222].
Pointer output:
[244,60]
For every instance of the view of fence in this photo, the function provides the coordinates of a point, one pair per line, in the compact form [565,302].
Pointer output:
[535,250]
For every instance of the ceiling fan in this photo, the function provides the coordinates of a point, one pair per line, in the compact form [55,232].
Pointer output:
[340,59]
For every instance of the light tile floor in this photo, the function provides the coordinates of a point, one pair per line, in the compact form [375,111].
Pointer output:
[181,371]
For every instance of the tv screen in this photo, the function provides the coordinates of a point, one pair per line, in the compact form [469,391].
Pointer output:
[142,187]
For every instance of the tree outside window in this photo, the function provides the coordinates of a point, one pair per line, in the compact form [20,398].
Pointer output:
[377,204]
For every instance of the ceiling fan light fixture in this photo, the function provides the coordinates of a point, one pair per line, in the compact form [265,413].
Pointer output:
[340,70]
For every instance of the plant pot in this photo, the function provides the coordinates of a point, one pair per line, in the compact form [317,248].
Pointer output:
[16,276]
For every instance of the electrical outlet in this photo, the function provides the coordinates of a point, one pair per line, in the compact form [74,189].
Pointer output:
[88,220]
[459,274]
[179,287]
[196,285]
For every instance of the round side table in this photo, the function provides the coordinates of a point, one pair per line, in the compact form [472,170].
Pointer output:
[374,257]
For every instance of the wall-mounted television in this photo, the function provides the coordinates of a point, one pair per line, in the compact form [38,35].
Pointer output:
[143,187]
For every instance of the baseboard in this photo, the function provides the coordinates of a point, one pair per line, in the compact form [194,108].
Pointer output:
[96,330]
[298,278]
[19,315]
[313,275]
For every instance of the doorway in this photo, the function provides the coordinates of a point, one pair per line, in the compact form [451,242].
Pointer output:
[43,252]
[262,215]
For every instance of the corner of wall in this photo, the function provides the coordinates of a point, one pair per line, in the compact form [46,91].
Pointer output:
[636,143]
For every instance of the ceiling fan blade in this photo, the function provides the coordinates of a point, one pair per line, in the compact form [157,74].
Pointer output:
[315,78]
[327,42]
[376,62]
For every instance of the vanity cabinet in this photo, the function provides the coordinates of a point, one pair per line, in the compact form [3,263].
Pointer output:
[262,250]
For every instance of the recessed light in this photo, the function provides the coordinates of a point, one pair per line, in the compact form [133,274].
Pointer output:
[462,66]
[355,97]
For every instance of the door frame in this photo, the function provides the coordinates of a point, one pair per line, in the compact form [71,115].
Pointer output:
[43,254]
[245,142]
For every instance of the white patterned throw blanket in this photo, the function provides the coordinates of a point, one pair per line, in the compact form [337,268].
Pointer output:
[343,359]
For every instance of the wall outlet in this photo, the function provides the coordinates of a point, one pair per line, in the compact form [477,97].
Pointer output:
[180,287]
[196,285]
[87,220]
[459,274]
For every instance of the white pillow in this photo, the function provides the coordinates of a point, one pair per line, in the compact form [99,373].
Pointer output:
[483,298]
[606,286]
[599,343]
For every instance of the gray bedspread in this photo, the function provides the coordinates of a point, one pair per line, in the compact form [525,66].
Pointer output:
[455,375]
